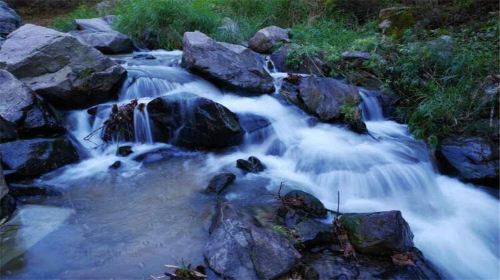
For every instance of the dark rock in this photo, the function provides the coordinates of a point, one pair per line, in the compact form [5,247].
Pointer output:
[144,56]
[7,131]
[266,39]
[34,157]
[124,151]
[241,248]
[313,233]
[314,65]
[102,24]
[232,66]
[472,159]
[107,42]
[29,189]
[117,164]
[9,19]
[379,233]
[219,182]
[252,165]
[22,108]
[190,121]
[305,202]
[120,124]
[65,72]
[7,207]
[252,122]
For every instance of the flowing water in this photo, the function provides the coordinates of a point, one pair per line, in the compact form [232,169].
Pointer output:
[129,222]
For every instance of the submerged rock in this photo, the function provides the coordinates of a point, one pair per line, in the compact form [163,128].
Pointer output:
[34,157]
[65,72]
[378,233]
[219,182]
[22,108]
[228,65]
[266,39]
[107,42]
[241,248]
[472,159]
[190,121]
[252,165]
[9,19]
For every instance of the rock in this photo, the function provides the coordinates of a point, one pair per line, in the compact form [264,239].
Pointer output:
[124,151]
[231,66]
[65,72]
[277,148]
[102,24]
[252,122]
[22,108]
[9,19]
[241,248]
[313,233]
[7,131]
[378,233]
[395,20]
[313,65]
[266,39]
[305,203]
[34,157]
[219,182]
[107,42]
[190,121]
[472,159]
[252,165]
[356,55]
[144,56]
[29,189]
[328,99]
[117,164]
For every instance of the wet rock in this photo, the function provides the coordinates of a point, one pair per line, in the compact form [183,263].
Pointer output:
[22,108]
[190,121]
[144,56]
[305,202]
[314,65]
[29,189]
[395,20]
[472,159]
[252,165]
[378,233]
[124,151]
[219,182]
[107,42]
[257,128]
[65,72]
[7,131]
[277,148]
[266,39]
[9,19]
[311,233]
[102,24]
[232,66]
[356,55]
[120,124]
[241,248]
[117,164]
[328,99]
[34,157]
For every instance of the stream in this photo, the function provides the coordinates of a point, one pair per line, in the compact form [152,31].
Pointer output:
[129,223]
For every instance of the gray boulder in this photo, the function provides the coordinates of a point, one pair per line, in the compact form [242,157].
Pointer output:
[21,107]
[472,159]
[239,247]
[232,66]
[378,233]
[190,121]
[9,19]
[65,72]
[107,42]
[34,157]
[266,39]
[102,24]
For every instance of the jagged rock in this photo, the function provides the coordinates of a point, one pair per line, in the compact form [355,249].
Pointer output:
[241,248]
[9,19]
[107,42]
[472,159]
[65,72]
[378,233]
[219,182]
[22,108]
[228,65]
[306,203]
[328,99]
[252,165]
[102,24]
[190,121]
[7,131]
[34,157]
[266,39]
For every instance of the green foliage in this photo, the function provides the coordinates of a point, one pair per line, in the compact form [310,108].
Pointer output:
[65,23]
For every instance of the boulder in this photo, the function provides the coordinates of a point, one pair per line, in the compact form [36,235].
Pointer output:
[326,98]
[65,72]
[9,19]
[232,66]
[472,159]
[305,203]
[378,233]
[102,24]
[7,131]
[266,39]
[190,121]
[252,165]
[107,42]
[34,157]
[311,232]
[219,182]
[239,247]
[21,107]
[124,151]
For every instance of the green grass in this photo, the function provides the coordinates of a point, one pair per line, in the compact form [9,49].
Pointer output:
[65,23]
